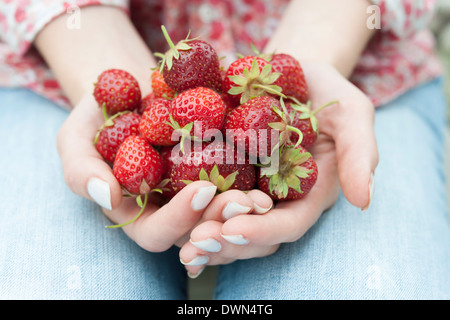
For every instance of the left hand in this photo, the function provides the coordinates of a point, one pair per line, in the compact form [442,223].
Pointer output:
[346,154]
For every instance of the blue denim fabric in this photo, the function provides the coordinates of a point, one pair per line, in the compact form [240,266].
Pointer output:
[53,244]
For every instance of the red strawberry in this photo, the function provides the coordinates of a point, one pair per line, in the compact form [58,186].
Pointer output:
[249,77]
[114,131]
[145,103]
[292,80]
[118,90]
[160,87]
[191,63]
[153,126]
[249,124]
[293,178]
[138,166]
[199,104]
[217,162]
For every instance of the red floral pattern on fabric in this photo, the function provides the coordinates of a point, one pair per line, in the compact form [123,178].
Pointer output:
[399,57]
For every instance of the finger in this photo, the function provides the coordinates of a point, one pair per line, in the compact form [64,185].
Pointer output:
[207,247]
[289,220]
[356,151]
[85,171]
[157,229]
[235,202]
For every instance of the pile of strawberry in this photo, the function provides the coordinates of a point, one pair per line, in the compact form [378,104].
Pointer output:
[246,127]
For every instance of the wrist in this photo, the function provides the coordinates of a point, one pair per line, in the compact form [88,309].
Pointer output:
[106,39]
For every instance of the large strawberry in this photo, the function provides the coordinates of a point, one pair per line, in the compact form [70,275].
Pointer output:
[218,162]
[292,177]
[292,79]
[200,106]
[118,90]
[258,126]
[189,64]
[153,125]
[138,166]
[114,131]
[249,77]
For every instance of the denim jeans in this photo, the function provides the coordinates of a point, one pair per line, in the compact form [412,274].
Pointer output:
[53,244]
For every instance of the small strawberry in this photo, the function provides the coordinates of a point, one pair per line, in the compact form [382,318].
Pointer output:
[292,178]
[189,64]
[118,90]
[201,105]
[159,86]
[138,166]
[153,125]
[258,126]
[292,79]
[249,77]
[114,131]
[217,162]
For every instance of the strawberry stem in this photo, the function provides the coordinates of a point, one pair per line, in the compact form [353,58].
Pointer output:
[105,114]
[297,131]
[315,111]
[136,217]
[169,41]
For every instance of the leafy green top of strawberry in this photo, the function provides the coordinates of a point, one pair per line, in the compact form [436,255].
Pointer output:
[223,184]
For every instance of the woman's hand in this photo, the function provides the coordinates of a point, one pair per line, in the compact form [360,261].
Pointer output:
[346,154]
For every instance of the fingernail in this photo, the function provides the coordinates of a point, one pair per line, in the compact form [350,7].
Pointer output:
[233,209]
[261,210]
[195,275]
[371,191]
[210,245]
[197,261]
[100,192]
[203,197]
[235,239]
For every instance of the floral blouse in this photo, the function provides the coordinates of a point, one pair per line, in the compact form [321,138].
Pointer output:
[399,57]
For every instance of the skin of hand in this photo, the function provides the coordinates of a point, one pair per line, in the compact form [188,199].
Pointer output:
[346,151]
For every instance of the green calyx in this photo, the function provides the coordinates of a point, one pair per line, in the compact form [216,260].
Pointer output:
[307,112]
[255,83]
[109,121]
[284,126]
[222,184]
[185,131]
[173,52]
[289,173]
[142,203]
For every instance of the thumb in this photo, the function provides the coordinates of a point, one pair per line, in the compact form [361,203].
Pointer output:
[85,171]
[356,152]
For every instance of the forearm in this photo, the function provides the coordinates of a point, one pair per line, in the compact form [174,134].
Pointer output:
[106,39]
[328,31]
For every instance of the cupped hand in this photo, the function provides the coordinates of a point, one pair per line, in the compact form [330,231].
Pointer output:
[88,175]
[347,156]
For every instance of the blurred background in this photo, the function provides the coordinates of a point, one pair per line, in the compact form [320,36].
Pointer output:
[441,28]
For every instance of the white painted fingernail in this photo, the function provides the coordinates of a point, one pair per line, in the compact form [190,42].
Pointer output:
[203,197]
[100,192]
[236,239]
[261,210]
[233,209]
[371,192]
[210,245]
[193,276]
[197,261]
